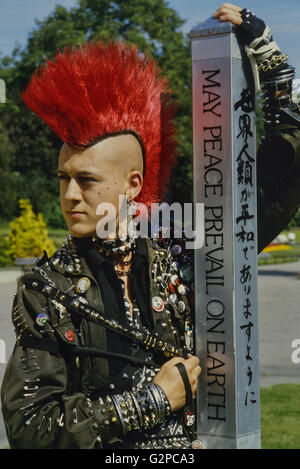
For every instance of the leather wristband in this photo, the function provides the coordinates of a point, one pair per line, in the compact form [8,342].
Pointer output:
[186,382]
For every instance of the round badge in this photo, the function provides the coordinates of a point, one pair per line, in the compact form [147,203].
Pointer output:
[171,287]
[157,303]
[69,335]
[175,265]
[83,285]
[186,272]
[181,306]
[176,250]
[41,319]
[184,257]
[183,289]
[175,279]
[189,419]
[197,444]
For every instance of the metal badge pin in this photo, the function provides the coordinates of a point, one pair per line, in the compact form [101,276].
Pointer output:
[176,250]
[189,419]
[184,257]
[186,272]
[69,335]
[183,289]
[41,319]
[83,285]
[158,303]
[175,280]
[181,306]
[60,308]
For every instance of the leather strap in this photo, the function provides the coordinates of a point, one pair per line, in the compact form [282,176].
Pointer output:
[186,382]
[53,347]
[71,304]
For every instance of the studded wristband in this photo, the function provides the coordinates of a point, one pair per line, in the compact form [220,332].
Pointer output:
[141,410]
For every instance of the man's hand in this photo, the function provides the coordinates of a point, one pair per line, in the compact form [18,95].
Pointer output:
[170,380]
[229,13]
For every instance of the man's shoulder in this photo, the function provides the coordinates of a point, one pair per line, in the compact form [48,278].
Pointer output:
[52,269]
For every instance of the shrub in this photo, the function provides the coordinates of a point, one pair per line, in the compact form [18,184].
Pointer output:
[28,236]
[5,258]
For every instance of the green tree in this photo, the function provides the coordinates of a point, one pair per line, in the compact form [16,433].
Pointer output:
[152,25]
[29,149]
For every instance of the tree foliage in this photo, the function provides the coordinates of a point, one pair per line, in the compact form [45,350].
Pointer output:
[29,149]
[33,149]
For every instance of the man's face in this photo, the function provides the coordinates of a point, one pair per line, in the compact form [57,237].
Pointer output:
[95,175]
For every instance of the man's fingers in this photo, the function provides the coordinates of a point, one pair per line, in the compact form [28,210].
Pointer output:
[226,11]
[231,16]
[230,6]
[173,362]
[192,362]
[197,371]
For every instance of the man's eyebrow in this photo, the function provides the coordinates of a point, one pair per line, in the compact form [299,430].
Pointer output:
[80,173]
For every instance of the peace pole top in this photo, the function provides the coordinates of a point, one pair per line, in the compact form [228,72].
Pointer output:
[211,27]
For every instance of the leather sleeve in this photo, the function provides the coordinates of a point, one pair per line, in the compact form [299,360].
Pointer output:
[37,409]
[278,179]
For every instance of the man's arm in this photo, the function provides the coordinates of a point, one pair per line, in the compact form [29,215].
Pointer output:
[278,158]
[40,410]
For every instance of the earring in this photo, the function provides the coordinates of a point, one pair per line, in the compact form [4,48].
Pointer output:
[132,209]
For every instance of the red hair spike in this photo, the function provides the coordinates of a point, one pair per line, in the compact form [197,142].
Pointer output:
[98,90]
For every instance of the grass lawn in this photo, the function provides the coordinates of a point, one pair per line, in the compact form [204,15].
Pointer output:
[289,255]
[280,417]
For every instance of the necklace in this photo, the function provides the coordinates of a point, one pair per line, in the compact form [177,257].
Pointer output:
[119,252]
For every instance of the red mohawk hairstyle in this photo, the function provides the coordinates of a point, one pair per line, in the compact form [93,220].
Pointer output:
[99,90]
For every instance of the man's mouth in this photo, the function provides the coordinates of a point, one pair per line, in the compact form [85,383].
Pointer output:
[74,213]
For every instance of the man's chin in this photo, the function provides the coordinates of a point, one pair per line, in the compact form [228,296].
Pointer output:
[79,231]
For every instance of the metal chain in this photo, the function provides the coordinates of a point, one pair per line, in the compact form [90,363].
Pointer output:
[273,63]
[44,275]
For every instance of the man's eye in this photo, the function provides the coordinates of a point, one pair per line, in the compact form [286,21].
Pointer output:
[62,176]
[87,179]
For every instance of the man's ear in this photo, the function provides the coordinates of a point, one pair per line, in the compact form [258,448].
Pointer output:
[135,183]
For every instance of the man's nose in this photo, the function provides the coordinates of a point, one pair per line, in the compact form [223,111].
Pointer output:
[73,191]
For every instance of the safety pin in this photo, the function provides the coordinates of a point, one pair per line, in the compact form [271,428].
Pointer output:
[49,424]
[28,422]
[41,423]
[60,420]
[75,416]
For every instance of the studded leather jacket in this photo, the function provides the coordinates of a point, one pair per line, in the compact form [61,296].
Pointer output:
[55,398]
[48,393]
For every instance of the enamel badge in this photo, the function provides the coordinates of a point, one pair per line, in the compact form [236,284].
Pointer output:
[83,285]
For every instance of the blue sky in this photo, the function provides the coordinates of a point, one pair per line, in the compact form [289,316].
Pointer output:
[283,17]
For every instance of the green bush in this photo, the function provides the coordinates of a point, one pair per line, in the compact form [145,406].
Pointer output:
[5,259]
[28,236]
[53,215]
